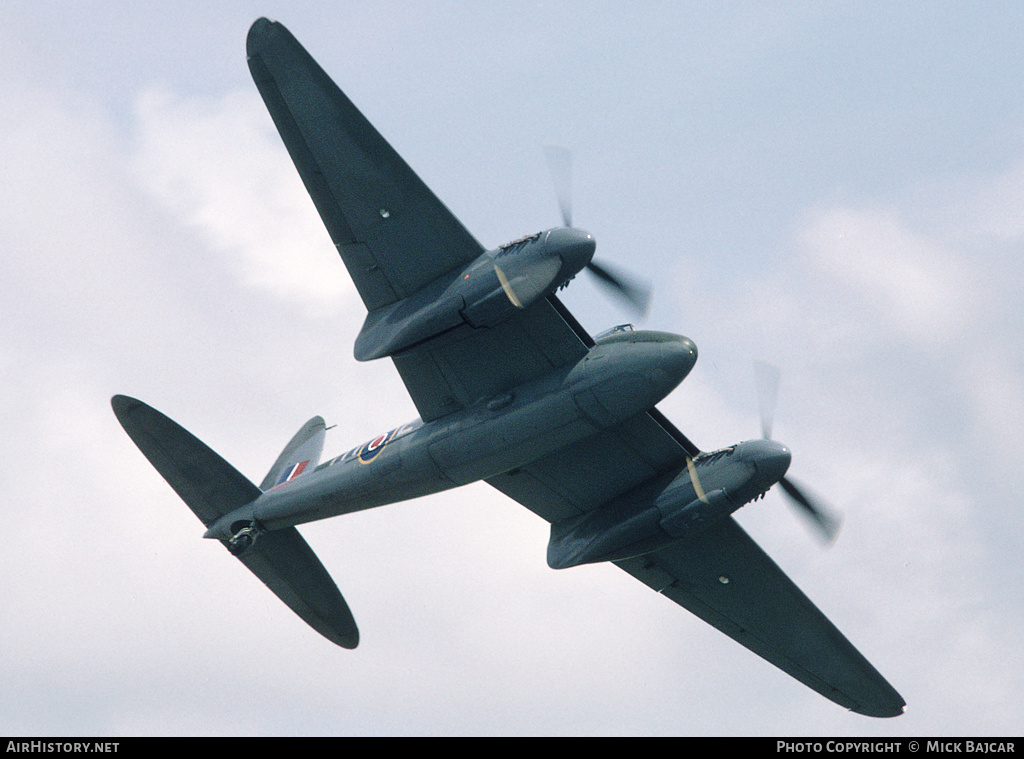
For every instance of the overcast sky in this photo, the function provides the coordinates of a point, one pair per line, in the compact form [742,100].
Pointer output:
[835,188]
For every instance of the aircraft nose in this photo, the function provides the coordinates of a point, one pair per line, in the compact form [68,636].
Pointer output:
[683,354]
[574,246]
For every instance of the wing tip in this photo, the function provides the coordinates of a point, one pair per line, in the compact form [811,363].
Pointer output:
[124,407]
[886,712]
[260,34]
[346,639]
[123,402]
[261,25]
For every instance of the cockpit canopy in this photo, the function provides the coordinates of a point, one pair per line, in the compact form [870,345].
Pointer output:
[613,331]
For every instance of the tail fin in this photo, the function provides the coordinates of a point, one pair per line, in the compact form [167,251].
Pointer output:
[302,454]
[211,487]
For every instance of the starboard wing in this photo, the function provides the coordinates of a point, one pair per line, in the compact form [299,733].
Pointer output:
[595,470]
[392,232]
[395,236]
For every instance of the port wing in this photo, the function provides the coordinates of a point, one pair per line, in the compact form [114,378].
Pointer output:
[721,575]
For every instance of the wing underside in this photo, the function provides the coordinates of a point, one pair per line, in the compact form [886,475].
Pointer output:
[460,367]
[722,575]
[728,581]
[392,232]
[395,237]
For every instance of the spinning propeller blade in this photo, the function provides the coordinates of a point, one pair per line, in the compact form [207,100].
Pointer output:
[767,377]
[823,519]
[560,166]
[637,295]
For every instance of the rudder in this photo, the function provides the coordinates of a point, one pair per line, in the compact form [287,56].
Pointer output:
[301,455]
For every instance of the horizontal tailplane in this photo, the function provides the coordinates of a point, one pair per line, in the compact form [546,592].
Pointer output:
[211,487]
[207,483]
[288,566]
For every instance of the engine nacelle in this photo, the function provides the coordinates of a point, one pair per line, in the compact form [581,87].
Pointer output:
[484,293]
[679,522]
[510,278]
[644,520]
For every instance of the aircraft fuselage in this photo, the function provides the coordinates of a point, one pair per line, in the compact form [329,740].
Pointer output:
[621,376]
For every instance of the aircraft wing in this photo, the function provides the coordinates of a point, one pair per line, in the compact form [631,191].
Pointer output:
[595,470]
[395,236]
[725,578]
[392,232]
[452,371]
[721,575]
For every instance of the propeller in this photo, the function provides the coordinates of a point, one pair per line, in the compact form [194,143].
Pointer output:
[560,166]
[826,522]
[635,293]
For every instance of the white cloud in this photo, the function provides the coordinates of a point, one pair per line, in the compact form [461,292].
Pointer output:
[904,282]
[903,399]
[187,266]
[218,164]
[997,207]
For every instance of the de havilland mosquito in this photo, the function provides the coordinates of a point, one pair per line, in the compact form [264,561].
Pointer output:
[510,390]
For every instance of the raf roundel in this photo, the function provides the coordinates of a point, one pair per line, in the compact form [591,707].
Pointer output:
[370,451]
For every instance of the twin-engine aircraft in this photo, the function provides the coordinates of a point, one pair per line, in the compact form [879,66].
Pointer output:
[510,390]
